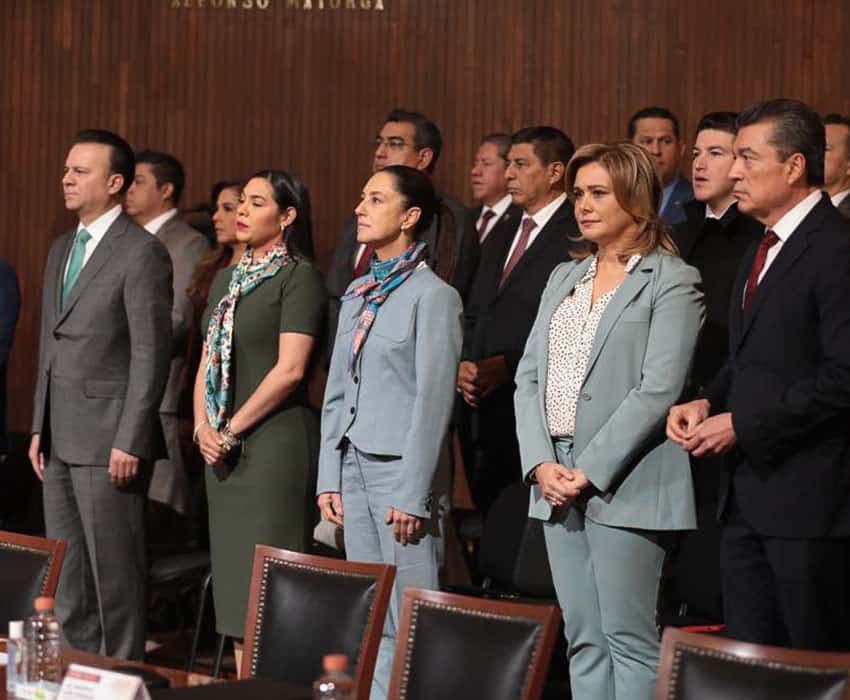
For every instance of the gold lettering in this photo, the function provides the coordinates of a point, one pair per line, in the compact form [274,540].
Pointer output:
[231,4]
[199,3]
[247,4]
[262,4]
[379,5]
[291,4]
[365,4]
[321,4]
[335,4]
[349,4]
[308,5]
[175,4]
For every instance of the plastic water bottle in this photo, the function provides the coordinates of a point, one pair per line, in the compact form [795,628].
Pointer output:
[335,683]
[44,648]
[14,656]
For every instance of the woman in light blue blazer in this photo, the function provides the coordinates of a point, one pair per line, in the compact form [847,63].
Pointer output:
[389,395]
[607,357]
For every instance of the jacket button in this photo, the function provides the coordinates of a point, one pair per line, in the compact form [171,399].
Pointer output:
[585,397]
[351,411]
[356,380]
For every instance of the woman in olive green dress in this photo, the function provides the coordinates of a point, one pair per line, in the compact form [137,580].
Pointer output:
[253,425]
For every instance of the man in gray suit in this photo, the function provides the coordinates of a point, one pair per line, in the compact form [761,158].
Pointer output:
[103,363]
[152,202]
[836,173]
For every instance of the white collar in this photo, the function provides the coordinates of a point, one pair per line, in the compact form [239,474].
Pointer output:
[499,207]
[154,225]
[709,214]
[541,218]
[793,217]
[839,197]
[98,228]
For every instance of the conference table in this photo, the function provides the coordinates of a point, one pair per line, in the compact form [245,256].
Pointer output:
[191,686]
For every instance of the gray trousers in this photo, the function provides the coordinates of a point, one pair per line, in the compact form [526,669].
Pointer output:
[169,483]
[101,595]
[607,582]
[368,487]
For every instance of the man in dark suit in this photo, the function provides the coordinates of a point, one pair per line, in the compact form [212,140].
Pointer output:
[10,305]
[506,292]
[409,138]
[657,130]
[490,187]
[152,201]
[714,237]
[836,172]
[780,406]
[103,363]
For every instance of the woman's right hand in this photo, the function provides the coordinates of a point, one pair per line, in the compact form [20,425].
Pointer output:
[209,440]
[557,483]
[330,504]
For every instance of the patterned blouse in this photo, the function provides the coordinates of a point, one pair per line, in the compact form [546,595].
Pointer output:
[571,334]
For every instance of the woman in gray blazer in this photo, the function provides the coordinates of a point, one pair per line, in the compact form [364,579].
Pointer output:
[608,355]
[389,395]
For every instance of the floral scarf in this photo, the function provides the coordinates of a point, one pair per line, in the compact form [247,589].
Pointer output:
[245,277]
[376,287]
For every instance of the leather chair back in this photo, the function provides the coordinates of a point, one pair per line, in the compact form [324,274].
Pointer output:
[29,568]
[695,666]
[452,646]
[303,607]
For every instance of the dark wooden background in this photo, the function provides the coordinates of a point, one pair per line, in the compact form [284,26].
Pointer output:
[233,90]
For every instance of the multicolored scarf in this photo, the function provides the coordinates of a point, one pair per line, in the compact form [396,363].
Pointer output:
[383,279]
[245,277]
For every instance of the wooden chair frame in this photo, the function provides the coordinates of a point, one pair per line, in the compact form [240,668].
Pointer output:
[548,616]
[54,548]
[721,647]
[384,575]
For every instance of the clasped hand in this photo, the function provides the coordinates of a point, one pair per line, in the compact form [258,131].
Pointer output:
[477,380]
[560,485]
[211,443]
[690,426]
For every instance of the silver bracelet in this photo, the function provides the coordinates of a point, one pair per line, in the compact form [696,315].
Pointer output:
[197,429]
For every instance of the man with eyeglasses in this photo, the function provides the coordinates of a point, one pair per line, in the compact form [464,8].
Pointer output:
[409,138]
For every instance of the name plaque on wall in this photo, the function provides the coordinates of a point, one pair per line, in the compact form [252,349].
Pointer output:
[361,5]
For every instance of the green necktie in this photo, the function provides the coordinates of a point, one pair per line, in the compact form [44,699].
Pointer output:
[76,264]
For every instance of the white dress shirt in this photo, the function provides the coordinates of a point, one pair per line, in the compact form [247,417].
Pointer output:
[839,197]
[158,222]
[709,214]
[541,218]
[498,209]
[787,225]
[97,229]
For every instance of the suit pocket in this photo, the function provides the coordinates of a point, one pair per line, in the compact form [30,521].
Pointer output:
[105,389]
[395,324]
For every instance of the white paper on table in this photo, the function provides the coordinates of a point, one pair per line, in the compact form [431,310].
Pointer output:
[87,683]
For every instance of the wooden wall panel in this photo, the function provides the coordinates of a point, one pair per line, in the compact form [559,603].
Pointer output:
[233,90]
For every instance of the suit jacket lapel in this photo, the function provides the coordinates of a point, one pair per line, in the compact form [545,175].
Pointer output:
[556,226]
[629,288]
[565,288]
[791,250]
[98,259]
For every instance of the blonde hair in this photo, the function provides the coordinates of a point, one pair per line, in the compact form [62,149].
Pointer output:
[637,189]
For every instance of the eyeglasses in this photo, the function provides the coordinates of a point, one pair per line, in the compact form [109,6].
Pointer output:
[392,143]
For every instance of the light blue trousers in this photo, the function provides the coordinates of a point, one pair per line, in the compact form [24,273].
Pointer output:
[607,582]
[368,487]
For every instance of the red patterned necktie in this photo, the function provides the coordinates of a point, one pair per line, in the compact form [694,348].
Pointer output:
[485,220]
[528,225]
[362,266]
[769,240]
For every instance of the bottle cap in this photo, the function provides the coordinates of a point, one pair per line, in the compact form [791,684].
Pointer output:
[16,629]
[335,662]
[43,603]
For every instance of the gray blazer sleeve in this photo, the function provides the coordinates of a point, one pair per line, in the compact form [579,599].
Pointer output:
[535,443]
[147,303]
[677,314]
[48,301]
[185,257]
[439,337]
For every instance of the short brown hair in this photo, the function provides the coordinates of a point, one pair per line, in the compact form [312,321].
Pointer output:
[637,189]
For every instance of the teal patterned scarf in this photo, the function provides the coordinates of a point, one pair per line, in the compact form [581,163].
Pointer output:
[385,276]
[245,277]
